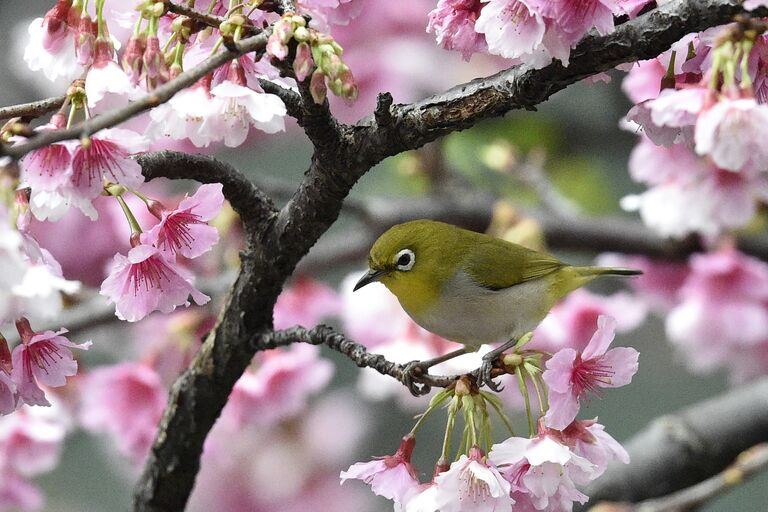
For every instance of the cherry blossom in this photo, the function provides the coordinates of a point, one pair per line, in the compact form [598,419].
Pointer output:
[125,401]
[732,132]
[571,374]
[305,303]
[474,484]
[147,281]
[242,107]
[184,230]
[543,472]
[192,113]
[588,439]
[515,29]
[42,358]
[54,57]
[393,476]
[453,23]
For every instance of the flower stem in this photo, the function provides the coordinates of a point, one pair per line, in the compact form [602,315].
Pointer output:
[524,390]
[452,409]
[132,222]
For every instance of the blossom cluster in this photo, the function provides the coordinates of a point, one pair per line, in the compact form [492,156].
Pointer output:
[531,32]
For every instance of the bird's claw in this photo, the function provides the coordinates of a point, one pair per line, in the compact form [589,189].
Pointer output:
[413,375]
[488,370]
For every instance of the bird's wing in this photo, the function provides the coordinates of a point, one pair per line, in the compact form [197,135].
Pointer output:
[497,264]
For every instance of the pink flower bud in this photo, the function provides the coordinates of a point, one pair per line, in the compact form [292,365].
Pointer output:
[317,87]
[276,47]
[155,67]
[303,63]
[133,58]
[85,40]
[55,25]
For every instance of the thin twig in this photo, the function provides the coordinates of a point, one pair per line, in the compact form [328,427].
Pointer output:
[33,109]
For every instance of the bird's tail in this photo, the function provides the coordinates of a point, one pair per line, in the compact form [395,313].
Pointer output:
[607,271]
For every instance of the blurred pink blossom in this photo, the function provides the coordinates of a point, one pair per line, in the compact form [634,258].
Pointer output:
[126,402]
[453,23]
[30,443]
[306,302]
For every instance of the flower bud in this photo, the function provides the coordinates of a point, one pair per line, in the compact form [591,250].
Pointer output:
[155,68]
[317,87]
[85,40]
[133,58]
[55,25]
[303,63]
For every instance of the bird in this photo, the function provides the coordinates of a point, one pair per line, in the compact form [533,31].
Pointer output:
[470,287]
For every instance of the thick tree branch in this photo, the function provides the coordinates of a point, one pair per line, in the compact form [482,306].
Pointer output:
[342,155]
[33,109]
[682,449]
[748,464]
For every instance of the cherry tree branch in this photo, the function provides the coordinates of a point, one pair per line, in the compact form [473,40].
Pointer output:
[747,465]
[679,450]
[33,109]
[343,154]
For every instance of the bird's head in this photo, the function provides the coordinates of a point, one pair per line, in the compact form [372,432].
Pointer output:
[410,257]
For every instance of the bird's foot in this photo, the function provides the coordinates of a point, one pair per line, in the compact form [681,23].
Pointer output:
[490,369]
[413,377]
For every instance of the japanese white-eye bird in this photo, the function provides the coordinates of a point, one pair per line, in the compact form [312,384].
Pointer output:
[470,287]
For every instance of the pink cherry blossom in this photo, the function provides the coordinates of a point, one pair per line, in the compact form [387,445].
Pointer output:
[723,309]
[643,82]
[305,303]
[17,493]
[184,230]
[575,19]
[474,484]
[125,401]
[588,439]
[30,443]
[453,23]
[56,62]
[8,396]
[514,29]
[732,132]
[571,374]
[192,113]
[147,281]
[105,77]
[670,118]
[543,472]
[571,323]
[107,156]
[280,387]
[42,358]
[689,194]
[242,107]
[392,476]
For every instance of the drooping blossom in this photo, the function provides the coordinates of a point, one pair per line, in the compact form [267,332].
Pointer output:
[42,358]
[392,476]
[722,312]
[732,132]
[243,107]
[670,118]
[147,281]
[184,230]
[305,303]
[588,439]
[192,113]
[543,472]
[107,156]
[572,374]
[106,83]
[453,23]
[126,402]
[53,56]
[515,29]
[9,398]
[689,194]
[474,484]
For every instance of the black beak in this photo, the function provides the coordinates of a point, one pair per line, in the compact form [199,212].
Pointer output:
[370,277]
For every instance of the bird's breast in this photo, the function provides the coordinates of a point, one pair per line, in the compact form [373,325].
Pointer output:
[471,314]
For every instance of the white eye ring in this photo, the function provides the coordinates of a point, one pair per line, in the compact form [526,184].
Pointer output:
[405,259]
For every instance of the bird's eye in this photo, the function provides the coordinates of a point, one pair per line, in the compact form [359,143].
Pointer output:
[405,259]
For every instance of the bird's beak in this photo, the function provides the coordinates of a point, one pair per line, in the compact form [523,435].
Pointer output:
[368,278]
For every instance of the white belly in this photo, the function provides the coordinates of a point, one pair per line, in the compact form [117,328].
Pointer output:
[474,315]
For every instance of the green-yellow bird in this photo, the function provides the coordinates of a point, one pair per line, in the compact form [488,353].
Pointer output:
[470,287]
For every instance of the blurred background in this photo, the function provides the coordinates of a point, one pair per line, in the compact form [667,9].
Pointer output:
[573,139]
